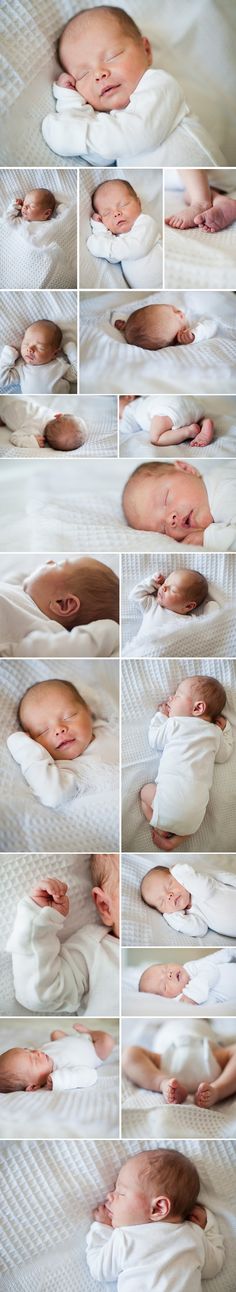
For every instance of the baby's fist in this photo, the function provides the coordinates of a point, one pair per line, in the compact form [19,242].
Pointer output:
[52,892]
[48,1085]
[198,1215]
[19,201]
[66,80]
[164,708]
[221,722]
[100,1213]
[158,579]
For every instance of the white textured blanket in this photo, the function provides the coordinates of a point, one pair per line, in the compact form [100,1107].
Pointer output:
[144,684]
[209,630]
[91,820]
[39,254]
[148,185]
[98,411]
[145,1113]
[19,309]
[134,440]
[73,1113]
[141,924]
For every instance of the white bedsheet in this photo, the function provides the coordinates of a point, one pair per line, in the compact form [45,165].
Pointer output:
[52,261]
[78,1113]
[139,1004]
[144,684]
[19,309]
[99,413]
[108,364]
[133,441]
[148,186]
[194,258]
[91,821]
[49,1191]
[145,1113]
[211,632]
[141,924]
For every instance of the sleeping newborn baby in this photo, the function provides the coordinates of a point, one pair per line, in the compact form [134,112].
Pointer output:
[178,501]
[161,599]
[154,327]
[57,727]
[192,733]
[111,103]
[210,980]
[188,1061]
[190,901]
[121,232]
[41,365]
[68,1063]
[37,205]
[61,609]
[170,421]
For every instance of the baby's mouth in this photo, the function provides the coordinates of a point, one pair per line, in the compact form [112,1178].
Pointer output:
[110,89]
[70,740]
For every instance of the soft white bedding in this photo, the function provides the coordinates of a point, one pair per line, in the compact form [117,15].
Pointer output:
[207,630]
[73,1113]
[193,257]
[196,47]
[148,186]
[133,441]
[145,683]
[145,1113]
[108,364]
[146,1004]
[141,924]
[49,1191]
[99,413]
[91,821]
[42,255]
[19,309]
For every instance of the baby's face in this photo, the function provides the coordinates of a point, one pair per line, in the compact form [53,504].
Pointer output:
[166,894]
[172,503]
[31,1067]
[129,1202]
[168,980]
[175,592]
[58,722]
[117,207]
[104,60]
[38,345]
[34,207]
[182,703]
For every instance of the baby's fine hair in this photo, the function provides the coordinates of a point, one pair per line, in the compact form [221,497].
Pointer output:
[145,981]
[198,586]
[174,1176]
[145,884]
[54,327]
[104,184]
[132,484]
[212,692]
[54,681]
[139,329]
[48,198]
[126,23]
[97,587]
[101,868]
[61,436]
[8,1080]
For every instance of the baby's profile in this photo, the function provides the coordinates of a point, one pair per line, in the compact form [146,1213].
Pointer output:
[67,1063]
[41,348]
[188,1061]
[62,608]
[211,978]
[57,726]
[178,501]
[38,204]
[161,598]
[154,327]
[191,901]
[120,231]
[156,1229]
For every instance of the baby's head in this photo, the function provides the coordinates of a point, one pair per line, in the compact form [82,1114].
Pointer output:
[65,433]
[167,499]
[116,205]
[162,891]
[75,592]
[156,326]
[182,591]
[157,1184]
[41,342]
[105,53]
[23,1069]
[55,715]
[38,204]
[198,697]
[167,980]
[105,880]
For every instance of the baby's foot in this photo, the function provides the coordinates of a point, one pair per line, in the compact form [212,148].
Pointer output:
[205,1095]
[165,840]
[218,216]
[186,219]
[173,1091]
[206,434]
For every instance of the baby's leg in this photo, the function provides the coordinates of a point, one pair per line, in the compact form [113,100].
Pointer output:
[206,433]
[220,215]
[147,794]
[56,1036]
[144,1069]
[163,432]
[102,1041]
[210,1092]
[198,197]
[166,840]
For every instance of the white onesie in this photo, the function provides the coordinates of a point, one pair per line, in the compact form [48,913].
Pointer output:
[156,124]
[160,1257]
[26,631]
[212,979]
[27,419]
[213,903]
[57,782]
[51,378]
[181,410]
[157,623]
[221,488]
[139,251]
[190,747]
[74,1062]
[53,976]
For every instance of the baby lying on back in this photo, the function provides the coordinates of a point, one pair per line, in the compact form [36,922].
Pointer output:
[41,365]
[209,979]
[190,901]
[178,501]
[39,204]
[161,599]
[121,232]
[64,1063]
[58,727]
[187,1061]
[61,609]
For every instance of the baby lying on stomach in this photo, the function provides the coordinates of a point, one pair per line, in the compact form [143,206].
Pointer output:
[68,1063]
[61,609]
[151,1231]
[178,501]
[33,424]
[190,901]
[190,1064]
[39,204]
[111,103]
[57,726]
[161,599]
[169,421]
[208,980]
[154,327]
[121,232]
[193,734]
[41,366]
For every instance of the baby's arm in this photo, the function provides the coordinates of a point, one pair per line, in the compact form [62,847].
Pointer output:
[8,372]
[52,784]
[155,108]
[213,1248]
[100,638]
[45,977]
[14,209]
[226,741]
[138,242]
[106,1252]
[187,922]
[145,591]
[158,730]
[73,1078]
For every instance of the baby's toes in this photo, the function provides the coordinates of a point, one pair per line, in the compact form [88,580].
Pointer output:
[202,1094]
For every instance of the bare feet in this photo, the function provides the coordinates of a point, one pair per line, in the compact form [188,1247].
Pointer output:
[218,216]
[165,840]
[188,218]
[173,1091]
[205,1095]
[206,433]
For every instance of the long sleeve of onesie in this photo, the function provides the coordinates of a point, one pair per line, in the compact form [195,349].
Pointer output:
[52,784]
[106,1251]
[191,921]
[202,975]
[85,641]
[73,1078]
[226,744]
[155,108]
[45,976]
[213,1248]
[133,245]
[24,418]
[9,376]
[13,211]
[158,730]
[144,593]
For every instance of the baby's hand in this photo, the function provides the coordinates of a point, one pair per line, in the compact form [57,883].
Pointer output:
[221,722]
[158,579]
[19,201]
[40,441]
[101,1213]
[195,537]
[187,1000]
[67,80]
[52,892]
[48,1083]
[198,1215]
[164,708]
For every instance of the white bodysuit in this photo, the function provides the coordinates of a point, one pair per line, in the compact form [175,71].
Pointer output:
[51,378]
[58,782]
[26,631]
[221,488]
[53,976]
[181,410]
[74,1062]
[190,747]
[157,622]
[160,1257]
[139,251]
[154,127]
[212,979]
[186,1050]
[26,420]
[213,903]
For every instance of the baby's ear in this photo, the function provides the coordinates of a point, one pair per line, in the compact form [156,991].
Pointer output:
[120,324]
[95,216]
[184,336]
[181,465]
[65,606]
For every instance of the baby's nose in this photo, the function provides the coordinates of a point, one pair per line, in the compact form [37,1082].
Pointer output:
[101,73]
